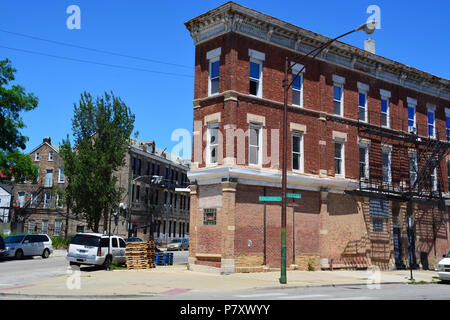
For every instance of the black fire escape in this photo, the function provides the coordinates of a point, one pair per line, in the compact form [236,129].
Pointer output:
[409,173]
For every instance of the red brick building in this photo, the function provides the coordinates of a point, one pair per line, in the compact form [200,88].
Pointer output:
[360,129]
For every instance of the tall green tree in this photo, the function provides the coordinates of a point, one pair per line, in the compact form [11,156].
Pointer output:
[13,101]
[101,130]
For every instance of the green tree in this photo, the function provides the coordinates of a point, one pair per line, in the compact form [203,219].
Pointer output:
[13,101]
[101,130]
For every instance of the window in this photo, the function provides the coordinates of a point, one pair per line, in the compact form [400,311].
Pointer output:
[209,216]
[80,229]
[47,199]
[297,151]
[385,112]
[59,200]
[412,103]
[61,177]
[138,191]
[447,123]
[139,162]
[49,178]
[448,175]
[364,161]
[31,226]
[44,227]
[337,91]
[386,165]
[255,78]
[297,85]
[214,75]
[377,224]
[21,199]
[363,89]
[34,199]
[433,180]
[254,149]
[212,143]
[147,168]
[412,168]
[213,57]
[338,95]
[37,156]
[133,164]
[431,109]
[50,156]
[114,244]
[385,96]
[57,230]
[338,158]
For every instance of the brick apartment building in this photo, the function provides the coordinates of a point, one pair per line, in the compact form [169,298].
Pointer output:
[361,129]
[39,206]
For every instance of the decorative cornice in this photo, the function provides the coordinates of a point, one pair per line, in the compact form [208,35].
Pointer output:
[232,17]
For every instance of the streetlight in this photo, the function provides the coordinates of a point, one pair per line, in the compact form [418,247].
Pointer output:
[114,212]
[368,28]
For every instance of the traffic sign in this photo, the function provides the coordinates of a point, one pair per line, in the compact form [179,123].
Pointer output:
[269,198]
[293,195]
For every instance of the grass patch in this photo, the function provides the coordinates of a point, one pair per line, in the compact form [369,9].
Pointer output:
[115,266]
[437,278]
[420,282]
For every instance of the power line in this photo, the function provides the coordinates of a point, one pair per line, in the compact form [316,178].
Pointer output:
[95,50]
[97,63]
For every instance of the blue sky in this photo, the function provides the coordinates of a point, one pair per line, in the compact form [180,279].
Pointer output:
[412,32]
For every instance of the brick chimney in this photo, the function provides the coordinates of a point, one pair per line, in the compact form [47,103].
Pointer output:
[48,140]
[369,45]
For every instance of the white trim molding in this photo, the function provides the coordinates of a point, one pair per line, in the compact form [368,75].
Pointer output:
[214,53]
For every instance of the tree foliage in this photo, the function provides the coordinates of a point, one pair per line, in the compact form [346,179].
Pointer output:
[13,101]
[101,130]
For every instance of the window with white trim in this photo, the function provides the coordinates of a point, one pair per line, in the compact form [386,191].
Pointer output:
[297,151]
[254,149]
[385,112]
[34,199]
[256,77]
[44,226]
[386,165]
[59,200]
[50,156]
[363,161]
[61,177]
[49,178]
[31,226]
[363,90]
[212,145]
[37,156]
[47,199]
[431,109]
[213,57]
[339,165]
[21,199]
[412,168]
[412,126]
[447,123]
[338,95]
[297,85]
[57,230]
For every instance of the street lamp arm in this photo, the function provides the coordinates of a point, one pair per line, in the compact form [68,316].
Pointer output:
[319,50]
[368,27]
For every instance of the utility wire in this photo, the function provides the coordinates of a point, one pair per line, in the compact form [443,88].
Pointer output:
[97,63]
[94,50]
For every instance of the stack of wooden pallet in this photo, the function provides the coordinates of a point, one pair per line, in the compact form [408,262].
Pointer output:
[140,255]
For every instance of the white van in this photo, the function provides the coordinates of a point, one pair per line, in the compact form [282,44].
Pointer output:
[444,267]
[92,249]
[28,245]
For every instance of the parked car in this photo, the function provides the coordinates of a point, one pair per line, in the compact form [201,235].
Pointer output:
[3,251]
[444,267]
[178,244]
[92,249]
[27,245]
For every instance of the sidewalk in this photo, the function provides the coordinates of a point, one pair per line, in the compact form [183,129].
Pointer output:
[171,280]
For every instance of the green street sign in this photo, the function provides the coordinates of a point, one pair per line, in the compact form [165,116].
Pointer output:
[293,195]
[269,198]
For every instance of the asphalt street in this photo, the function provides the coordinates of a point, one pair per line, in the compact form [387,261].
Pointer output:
[14,273]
